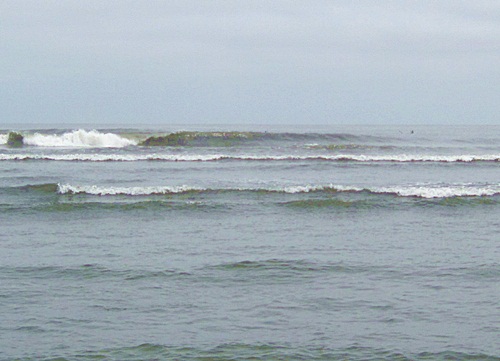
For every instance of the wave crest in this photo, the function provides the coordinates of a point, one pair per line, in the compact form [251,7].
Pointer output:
[441,192]
[131,191]
[424,191]
[396,158]
[78,138]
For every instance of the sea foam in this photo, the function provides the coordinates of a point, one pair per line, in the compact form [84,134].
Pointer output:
[422,191]
[441,192]
[401,158]
[132,191]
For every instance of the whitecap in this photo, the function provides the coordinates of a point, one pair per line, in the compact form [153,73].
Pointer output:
[430,191]
[78,138]
[419,191]
[131,191]
[248,157]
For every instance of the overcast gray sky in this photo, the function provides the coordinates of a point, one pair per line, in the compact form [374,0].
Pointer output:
[237,62]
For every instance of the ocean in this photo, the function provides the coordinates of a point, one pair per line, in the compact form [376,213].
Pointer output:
[250,243]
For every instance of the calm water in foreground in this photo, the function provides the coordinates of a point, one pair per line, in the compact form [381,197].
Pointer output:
[319,243]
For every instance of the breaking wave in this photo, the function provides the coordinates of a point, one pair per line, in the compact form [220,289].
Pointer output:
[94,138]
[440,191]
[423,191]
[397,158]
[130,191]
[76,138]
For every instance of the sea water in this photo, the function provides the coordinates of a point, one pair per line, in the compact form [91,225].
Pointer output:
[250,243]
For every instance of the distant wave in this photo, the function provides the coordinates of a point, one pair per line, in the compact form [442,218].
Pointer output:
[403,158]
[86,271]
[224,139]
[76,138]
[424,191]
[94,138]
[285,267]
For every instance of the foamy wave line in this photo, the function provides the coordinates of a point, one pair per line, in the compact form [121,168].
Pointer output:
[461,190]
[159,190]
[217,157]
[440,192]
[132,191]
[82,157]
[423,191]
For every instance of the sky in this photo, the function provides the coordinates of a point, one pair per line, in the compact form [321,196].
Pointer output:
[250,62]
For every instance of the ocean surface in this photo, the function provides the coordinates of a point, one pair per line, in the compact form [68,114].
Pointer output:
[250,243]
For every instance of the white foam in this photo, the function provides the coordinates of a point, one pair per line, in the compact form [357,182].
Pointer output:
[299,189]
[367,158]
[216,157]
[152,190]
[3,139]
[78,138]
[420,191]
[460,190]
[313,188]
[408,158]
[82,157]
[132,191]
